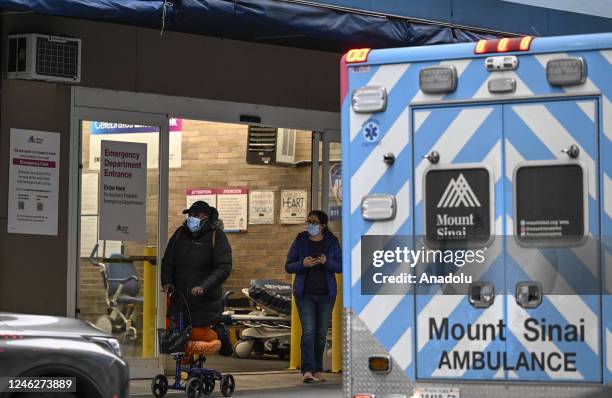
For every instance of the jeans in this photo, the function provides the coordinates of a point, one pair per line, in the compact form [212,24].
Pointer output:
[315,313]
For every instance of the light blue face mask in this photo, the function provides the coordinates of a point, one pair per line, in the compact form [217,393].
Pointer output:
[194,224]
[314,229]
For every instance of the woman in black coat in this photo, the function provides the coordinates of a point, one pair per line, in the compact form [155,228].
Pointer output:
[197,261]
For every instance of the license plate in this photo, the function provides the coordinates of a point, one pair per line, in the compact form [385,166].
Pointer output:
[436,392]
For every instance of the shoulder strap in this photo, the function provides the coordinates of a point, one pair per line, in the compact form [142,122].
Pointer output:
[212,252]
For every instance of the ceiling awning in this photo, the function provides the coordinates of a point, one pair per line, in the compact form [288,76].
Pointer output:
[526,17]
[289,23]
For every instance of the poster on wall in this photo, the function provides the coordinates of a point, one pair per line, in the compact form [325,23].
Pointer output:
[89,193]
[89,238]
[208,195]
[136,133]
[231,202]
[88,235]
[232,206]
[33,182]
[335,191]
[261,207]
[294,206]
[123,191]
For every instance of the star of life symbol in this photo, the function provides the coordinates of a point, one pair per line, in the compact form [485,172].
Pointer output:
[458,192]
[371,131]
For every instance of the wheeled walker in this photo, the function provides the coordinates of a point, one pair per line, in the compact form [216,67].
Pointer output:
[200,380]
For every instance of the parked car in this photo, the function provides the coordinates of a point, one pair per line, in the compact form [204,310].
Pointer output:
[48,346]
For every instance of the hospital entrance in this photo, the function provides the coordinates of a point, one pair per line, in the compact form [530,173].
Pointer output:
[139,173]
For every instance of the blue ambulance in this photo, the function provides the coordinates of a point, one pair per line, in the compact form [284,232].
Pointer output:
[502,149]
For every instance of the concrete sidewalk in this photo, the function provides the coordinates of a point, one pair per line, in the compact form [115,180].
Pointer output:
[263,384]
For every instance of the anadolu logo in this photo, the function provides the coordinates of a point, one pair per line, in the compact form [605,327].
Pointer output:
[122,228]
[371,131]
[35,140]
[458,192]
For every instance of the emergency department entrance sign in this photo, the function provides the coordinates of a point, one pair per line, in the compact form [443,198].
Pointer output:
[550,203]
[458,206]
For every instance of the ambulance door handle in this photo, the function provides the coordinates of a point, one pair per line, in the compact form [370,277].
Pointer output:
[528,294]
[433,157]
[573,151]
[481,294]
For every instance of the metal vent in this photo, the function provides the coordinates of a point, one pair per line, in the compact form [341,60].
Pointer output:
[57,57]
[261,146]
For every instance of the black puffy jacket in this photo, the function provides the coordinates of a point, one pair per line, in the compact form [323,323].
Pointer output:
[190,261]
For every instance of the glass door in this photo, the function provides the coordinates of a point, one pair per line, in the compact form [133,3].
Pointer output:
[121,198]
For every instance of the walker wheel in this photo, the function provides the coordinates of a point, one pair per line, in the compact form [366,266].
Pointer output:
[193,388]
[209,385]
[227,385]
[159,386]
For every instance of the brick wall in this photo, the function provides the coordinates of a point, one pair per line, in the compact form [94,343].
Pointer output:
[214,155]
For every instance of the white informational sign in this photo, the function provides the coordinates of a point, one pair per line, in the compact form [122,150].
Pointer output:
[294,206]
[33,182]
[261,207]
[89,234]
[232,207]
[123,191]
[89,193]
[149,135]
[207,195]
[89,238]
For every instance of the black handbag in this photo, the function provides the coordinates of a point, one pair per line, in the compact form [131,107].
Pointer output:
[174,339]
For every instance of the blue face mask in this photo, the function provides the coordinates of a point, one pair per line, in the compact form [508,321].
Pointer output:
[314,229]
[194,224]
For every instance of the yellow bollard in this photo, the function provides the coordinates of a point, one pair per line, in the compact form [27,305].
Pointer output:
[337,329]
[295,356]
[149,282]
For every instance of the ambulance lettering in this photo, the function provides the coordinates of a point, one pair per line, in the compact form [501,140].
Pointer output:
[534,330]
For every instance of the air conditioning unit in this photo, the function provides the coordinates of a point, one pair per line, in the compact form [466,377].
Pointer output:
[269,146]
[44,57]
[285,146]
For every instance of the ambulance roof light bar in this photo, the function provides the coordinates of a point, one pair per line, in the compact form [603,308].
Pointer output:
[503,45]
[357,55]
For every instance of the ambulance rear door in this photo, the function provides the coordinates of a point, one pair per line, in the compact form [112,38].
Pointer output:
[552,221]
[457,206]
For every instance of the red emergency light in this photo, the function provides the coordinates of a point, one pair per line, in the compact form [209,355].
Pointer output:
[503,45]
[357,55]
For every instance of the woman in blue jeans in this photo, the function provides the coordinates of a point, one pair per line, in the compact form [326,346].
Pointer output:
[314,258]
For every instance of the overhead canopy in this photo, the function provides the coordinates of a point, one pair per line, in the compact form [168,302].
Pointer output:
[527,17]
[279,22]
